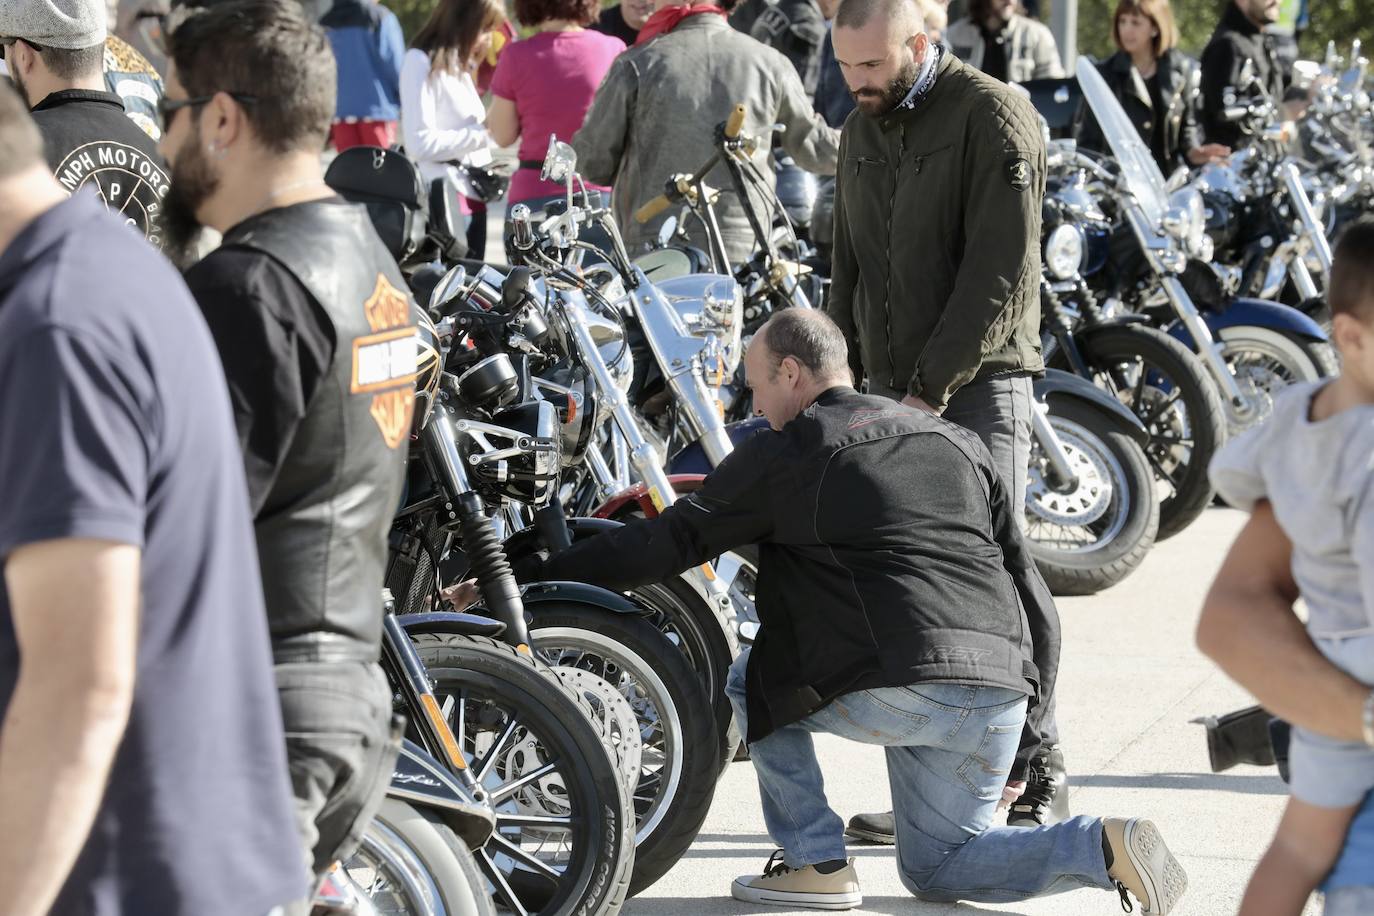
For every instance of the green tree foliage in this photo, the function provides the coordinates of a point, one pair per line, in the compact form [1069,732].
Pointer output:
[1338,20]
[412,14]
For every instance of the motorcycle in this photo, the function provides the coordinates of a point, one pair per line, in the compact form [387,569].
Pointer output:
[1260,216]
[1160,267]
[1157,377]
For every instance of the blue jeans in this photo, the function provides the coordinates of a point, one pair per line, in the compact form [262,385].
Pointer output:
[949,750]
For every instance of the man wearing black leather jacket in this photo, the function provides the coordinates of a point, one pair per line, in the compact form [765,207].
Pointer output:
[794,27]
[1239,37]
[313,324]
[901,608]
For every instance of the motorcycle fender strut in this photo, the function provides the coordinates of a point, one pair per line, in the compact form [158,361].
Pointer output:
[421,780]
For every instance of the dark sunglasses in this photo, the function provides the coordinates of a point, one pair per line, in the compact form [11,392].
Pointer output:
[6,42]
[167,108]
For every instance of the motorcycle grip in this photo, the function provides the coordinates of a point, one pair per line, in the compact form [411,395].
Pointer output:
[736,122]
[652,208]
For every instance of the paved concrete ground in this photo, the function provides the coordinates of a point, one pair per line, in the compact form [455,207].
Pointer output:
[1130,682]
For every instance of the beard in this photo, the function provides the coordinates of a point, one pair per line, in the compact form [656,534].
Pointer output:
[877,102]
[193,180]
[19,85]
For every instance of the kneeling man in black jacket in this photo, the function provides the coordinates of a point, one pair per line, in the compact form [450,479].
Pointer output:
[900,608]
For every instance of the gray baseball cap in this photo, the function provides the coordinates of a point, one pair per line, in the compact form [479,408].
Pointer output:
[54,23]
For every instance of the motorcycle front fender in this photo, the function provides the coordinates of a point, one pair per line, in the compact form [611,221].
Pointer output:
[450,622]
[422,781]
[1057,385]
[637,497]
[692,460]
[1255,313]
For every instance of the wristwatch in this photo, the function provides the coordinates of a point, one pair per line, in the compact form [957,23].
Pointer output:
[1368,719]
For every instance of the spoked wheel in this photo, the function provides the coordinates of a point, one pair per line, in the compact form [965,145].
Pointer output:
[412,864]
[691,624]
[677,774]
[1264,362]
[1167,387]
[564,834]
[1093,531]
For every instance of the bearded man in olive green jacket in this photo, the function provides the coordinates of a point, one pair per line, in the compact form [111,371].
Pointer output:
[936,267]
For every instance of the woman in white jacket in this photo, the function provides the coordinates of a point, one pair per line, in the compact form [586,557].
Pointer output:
[442,116]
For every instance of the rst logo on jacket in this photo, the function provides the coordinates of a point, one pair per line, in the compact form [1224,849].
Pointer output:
[384,361]
[128,182]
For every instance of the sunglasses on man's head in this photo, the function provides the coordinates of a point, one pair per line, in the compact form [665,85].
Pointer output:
[167,108]
[6,42]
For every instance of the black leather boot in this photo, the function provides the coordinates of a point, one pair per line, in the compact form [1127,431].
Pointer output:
[1046,800]
[873,828]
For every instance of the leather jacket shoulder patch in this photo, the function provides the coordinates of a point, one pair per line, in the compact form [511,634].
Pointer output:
[1018,172]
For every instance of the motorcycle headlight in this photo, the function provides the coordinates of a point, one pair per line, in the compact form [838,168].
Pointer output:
[1186,220]
[1064,251]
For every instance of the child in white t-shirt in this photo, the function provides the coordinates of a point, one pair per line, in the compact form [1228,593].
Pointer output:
[1313,460]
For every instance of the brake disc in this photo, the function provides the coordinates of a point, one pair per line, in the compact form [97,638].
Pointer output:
[1080,506]
[613,716]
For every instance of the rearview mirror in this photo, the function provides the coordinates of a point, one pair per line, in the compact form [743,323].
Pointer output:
[448,287]
[560,163]
[665,232]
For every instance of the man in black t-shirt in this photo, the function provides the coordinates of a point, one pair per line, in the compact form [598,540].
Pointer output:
[625,19]
[141,763]
[55,51]
[314,327]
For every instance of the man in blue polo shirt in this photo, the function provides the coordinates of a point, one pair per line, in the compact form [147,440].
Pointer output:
[141,762]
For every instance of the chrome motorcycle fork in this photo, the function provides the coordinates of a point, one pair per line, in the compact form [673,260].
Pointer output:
[1061,468]
[1315,235]
[643,458]
[1206,345]
[1302,277]
[1203,342]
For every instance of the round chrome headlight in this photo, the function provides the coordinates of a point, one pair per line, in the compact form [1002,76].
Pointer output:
[1186,220]
[1064,251]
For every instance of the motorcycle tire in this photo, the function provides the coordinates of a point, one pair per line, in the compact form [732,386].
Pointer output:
[1166,385]
[480,682]
[678,766]
[410,863]
[1293,359]
[1113,503]
[693,626]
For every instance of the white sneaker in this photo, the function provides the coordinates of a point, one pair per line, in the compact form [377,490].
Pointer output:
[800,887]
[1143,865]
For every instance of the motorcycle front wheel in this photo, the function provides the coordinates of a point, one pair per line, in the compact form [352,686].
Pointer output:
[410,863]
[1164,384]
[1092,532]
[678,756]
[564,836]
[1264,361]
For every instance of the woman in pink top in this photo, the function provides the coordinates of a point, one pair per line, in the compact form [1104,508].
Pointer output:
[544,85]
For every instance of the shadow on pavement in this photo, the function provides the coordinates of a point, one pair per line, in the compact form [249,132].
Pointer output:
[725,904]
[1210,782]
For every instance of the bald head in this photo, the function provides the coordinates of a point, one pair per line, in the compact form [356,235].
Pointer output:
[811,338]
[903,17]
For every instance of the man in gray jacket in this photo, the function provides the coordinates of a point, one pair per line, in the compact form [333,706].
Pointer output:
[656,113]
[1005,44]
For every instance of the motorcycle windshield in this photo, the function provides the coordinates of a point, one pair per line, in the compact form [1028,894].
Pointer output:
[1138,167]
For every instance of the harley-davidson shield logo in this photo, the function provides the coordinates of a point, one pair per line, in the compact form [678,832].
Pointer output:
[384,361]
